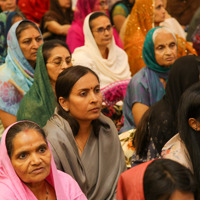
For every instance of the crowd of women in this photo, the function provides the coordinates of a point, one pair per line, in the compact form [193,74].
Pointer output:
[66,73]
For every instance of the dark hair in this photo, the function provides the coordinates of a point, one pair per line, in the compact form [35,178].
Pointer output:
[189,107]
[23,25]
[164,176]
[96,15]
[18,127]
[64,84]
[51,44]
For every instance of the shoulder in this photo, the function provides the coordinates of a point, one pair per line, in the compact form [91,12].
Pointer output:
[6,192]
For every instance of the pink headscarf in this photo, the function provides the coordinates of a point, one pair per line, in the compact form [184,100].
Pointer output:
[11,187]
[130,183]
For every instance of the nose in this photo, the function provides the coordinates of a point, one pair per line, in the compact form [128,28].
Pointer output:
[64,65]
[168,51]
[35,44]
[35,159]
[94,98]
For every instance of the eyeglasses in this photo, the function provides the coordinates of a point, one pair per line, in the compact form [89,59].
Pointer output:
[59,61]
[102,30]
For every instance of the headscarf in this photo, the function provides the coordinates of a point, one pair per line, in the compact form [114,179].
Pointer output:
[16,73]
[139,23]
[39,103]
[130,183]
[109,70]
[14,188]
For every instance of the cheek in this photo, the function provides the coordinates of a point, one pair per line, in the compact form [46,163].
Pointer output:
[21,170]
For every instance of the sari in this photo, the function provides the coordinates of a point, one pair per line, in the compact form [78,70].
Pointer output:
[39,102]
[11,186]
[16,75]
[140,21]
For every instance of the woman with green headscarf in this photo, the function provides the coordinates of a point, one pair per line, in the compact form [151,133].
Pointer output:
[148,85]
[40,101]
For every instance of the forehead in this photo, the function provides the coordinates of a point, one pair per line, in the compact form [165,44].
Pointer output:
[100,21]
[30,31]
[164,37]
[87,81]
[158,2]
[59,51]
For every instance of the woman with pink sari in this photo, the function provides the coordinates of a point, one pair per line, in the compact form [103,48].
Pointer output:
[27,168]
[75,36]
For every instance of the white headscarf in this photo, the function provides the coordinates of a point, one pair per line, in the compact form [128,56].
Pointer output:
[109,70]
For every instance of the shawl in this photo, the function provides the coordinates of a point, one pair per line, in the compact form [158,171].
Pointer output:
[102,161]
[11,187]
[34,9]
[39,103]
[16,75]
[163,120]
[130,183]
[109,70]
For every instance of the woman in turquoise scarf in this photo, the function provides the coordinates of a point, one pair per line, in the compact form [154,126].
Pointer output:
[39,103]
[16,75]
[148,85]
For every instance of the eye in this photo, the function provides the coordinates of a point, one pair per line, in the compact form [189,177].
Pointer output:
[108,27]
[83,93]
[160,47]
[97,90]
[42,149]
[68,60]
[22,156]
[172,44]
[38,39]
[27,41]
[100,30]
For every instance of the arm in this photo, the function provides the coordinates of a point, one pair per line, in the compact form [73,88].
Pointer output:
[138,110]
[118,22]
[56,28]
[7,118]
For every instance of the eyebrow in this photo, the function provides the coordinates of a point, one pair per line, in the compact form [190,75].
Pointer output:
[85,89]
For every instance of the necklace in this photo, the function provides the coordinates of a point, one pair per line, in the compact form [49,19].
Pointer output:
[80,149]
[47,192]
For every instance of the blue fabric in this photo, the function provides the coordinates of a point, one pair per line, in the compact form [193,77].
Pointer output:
[145,87]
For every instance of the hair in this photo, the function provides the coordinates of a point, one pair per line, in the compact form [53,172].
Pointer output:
[165,30]
[18,127]
[64,84]
[164,176]
[23,25]
[95,15]
[48,46]
[15,16]
[189,107]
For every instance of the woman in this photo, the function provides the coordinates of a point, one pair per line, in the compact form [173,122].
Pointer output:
[82,139]
[56,22]
[27,169]
[75,36]
[39,103]
[145,15]
[148,85]
[16,75]
[158,179]
[100,53]
[184,147]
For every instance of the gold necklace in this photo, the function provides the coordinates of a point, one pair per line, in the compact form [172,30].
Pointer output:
[80,149]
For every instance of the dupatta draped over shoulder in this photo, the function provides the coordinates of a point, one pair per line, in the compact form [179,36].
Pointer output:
[39,103]
[16,75]
[102,161]
[109,70]
[11,186]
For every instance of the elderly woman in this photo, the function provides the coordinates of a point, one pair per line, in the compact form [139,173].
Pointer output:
[27,168]
[84,142]
[148,85]
[39,103]
[100,53]
[16,75]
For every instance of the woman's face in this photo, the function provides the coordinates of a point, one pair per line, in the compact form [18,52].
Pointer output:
[31,157]
[177,195]
[85,99]
[59,60]
[102,31]
[159,14]
[101,5]
[8,5]
[165,49]
[65,3]
[29,42]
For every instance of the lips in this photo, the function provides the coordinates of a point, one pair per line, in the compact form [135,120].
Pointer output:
[170,59]
[96,109]
[38,170]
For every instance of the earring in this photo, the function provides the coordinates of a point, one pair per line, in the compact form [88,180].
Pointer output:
[67,109]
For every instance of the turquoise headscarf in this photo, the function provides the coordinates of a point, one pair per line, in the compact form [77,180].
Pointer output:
[148,53]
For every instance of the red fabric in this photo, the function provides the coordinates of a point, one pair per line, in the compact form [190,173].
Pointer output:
[130,183]
[33,9]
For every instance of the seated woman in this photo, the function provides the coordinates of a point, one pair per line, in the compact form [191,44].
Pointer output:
[148,85]
[184,147]
[158,179]
[27,168]
[84,142]
[39,102]
[56,22]
[100,53]
[16,75]
[75,36]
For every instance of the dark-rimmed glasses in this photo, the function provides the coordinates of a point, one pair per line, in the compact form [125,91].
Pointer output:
[102,30]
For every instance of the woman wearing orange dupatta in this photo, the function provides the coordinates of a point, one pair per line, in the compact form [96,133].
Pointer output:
[140,21]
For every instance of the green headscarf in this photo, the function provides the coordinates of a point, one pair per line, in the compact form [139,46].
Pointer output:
[148,53]
[39,103]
